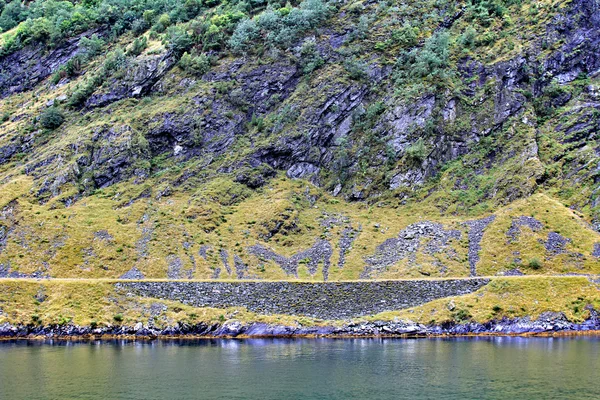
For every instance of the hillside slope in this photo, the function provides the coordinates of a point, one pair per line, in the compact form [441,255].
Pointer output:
[313,141]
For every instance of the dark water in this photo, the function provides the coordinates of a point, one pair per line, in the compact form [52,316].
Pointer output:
[494,368]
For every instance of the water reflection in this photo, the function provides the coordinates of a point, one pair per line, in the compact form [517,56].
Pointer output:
[482,368]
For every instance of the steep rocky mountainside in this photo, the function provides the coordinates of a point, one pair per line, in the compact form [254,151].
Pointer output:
[311,140]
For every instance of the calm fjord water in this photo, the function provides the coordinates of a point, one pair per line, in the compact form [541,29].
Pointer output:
[486,368]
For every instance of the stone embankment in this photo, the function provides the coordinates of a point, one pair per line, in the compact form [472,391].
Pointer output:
[328,300]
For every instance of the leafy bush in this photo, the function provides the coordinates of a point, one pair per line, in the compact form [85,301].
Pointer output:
[467,39]
[462,315]
[406,36]
[279,28]
[178,39]
[356,69]
[430,61]
[138,46]
[310,59]
[91,46]
[164,21]
[245,33]
[196,65]
[416,152]
[12,14]
[51,118]
[535,263]
[362,28]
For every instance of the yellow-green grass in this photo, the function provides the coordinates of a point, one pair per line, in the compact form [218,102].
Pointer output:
[510,297]
[97,302]
[64,237]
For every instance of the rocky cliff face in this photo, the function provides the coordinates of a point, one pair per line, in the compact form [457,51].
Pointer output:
[463,109]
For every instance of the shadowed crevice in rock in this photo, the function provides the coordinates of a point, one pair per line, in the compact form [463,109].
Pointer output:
[8,216]
[476,229]
[426,237]
[328,300]
[25,68]
[147,229]
[3,238]
[320,252]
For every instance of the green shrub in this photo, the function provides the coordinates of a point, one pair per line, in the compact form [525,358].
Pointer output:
[310,59]
[430,61]
[279,29]
[196,65]
[51,118]
[118,317]
[245,33]
[461,315]
[178,39]
[138,46]
[356,69]
[535,263]
[164,21]
[139,26]
[416,152]
[406,36]
[12,14]
[468,38]
[91,46]
[149,16]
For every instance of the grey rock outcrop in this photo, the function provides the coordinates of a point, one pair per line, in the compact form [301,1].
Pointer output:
[476,229]
[515,228]
[427,237]
[319,253]
[133,273]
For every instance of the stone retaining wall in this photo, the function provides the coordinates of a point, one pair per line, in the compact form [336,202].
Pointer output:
[330,300]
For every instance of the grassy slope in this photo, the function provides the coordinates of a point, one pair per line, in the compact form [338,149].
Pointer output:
[201,211]
[510,297]
[96,302]
[64,237]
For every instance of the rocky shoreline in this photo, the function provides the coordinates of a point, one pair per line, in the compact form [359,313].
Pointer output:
[548,324]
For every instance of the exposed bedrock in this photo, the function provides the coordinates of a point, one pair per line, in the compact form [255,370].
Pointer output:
[476,229]
[523,221]
[320,252]
[428,237]
[546,323]
[327,300]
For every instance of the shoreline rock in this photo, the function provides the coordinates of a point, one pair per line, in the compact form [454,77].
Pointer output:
[548,323]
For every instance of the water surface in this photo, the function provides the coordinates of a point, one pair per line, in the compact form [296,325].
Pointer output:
[488,368]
